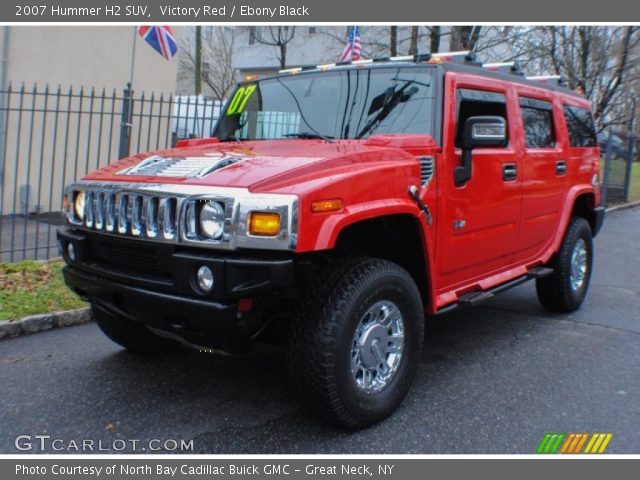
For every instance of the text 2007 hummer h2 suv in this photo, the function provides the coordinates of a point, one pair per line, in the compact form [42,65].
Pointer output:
[335,208]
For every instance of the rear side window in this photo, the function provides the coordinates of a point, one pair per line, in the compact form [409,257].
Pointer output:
[582,131]
[472,103]
[537,117]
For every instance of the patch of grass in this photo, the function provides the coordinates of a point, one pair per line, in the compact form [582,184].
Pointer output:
[30,287]
[617,175]
[634,189]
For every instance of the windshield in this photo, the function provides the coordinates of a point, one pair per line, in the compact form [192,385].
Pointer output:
[350,103]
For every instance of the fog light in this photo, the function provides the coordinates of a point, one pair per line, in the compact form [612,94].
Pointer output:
[205,279]
[71,252]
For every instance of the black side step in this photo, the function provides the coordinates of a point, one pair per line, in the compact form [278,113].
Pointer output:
[540,272]
[473,299]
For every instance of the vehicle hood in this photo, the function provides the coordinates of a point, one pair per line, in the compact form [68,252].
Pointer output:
[260,166]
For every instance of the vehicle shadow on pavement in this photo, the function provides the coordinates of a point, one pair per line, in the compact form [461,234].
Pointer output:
[246,405]
[481,369]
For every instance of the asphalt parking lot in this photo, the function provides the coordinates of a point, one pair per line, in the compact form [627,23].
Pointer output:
[493,379]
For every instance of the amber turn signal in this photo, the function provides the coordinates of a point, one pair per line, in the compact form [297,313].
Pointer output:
[264,224]
[327,205]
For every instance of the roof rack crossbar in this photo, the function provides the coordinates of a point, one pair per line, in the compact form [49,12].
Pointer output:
[504,67]
[550,79]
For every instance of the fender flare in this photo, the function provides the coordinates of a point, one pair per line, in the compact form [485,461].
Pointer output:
[570,201]
[335,224]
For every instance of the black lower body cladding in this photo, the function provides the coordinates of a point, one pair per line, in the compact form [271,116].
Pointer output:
[155,284]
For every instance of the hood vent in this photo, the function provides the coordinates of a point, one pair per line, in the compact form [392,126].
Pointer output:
[427,168]
[180,167]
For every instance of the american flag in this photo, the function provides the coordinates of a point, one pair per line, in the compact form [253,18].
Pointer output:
[353,48]
[160,38]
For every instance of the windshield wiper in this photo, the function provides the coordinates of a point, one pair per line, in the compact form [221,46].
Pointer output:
[309,135]
[232,138]
[400,96]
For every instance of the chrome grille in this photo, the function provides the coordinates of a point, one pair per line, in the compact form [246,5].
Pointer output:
[168,213]
[427,168]
[131,214]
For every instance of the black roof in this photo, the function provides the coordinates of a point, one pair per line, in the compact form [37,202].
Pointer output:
[472,68]
[508,77]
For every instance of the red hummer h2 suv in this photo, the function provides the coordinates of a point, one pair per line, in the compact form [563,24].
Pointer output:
[334,209]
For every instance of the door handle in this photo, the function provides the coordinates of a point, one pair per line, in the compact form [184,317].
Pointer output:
[561,167]
[509,172]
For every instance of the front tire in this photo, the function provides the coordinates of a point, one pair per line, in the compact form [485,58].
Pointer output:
[566,288]
[356,341]
[131,335]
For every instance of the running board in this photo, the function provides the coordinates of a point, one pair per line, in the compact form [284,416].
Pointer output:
[473,299]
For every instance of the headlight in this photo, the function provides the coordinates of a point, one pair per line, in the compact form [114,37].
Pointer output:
[78,204]
[212,218]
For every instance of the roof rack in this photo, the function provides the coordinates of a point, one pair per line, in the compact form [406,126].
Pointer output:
[465,56]
[462,57]
[505,67]
[550,79]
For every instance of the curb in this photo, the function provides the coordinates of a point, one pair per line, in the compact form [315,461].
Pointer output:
[624,206]
[43,322]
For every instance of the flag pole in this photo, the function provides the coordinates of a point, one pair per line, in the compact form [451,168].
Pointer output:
[133,57]
[127,107]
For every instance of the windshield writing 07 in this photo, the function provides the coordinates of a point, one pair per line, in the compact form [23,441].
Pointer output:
[352,103]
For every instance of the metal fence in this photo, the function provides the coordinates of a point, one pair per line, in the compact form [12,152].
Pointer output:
[50,137]
[619,153]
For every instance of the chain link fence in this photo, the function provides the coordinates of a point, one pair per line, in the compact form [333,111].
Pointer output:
[51,137]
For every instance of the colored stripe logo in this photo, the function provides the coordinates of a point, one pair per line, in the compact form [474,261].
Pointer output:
[572,443]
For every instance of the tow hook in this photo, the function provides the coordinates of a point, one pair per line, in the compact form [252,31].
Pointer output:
[413,193]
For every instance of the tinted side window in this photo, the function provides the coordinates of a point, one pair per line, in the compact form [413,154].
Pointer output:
[582,131]
[472,103]
[537,117]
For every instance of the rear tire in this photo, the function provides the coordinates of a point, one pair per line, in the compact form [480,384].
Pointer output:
[566,288]
[356,341]
[129,334]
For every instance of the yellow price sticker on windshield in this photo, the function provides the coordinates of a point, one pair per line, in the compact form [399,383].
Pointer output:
[240,99]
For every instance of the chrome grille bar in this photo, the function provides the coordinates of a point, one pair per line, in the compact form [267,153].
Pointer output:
[132,214]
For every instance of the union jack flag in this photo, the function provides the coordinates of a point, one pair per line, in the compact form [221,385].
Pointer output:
[160,38]
[353,48]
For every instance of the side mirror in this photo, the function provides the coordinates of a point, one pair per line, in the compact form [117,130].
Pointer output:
[479,132]
[484,132]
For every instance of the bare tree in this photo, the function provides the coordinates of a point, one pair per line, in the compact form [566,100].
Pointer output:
[413,46]
[217,60]
[377,40]
[435,34]
[464,37]
[278,37]
[393,41]
[602,62]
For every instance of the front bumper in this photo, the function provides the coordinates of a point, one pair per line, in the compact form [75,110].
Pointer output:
[155,285]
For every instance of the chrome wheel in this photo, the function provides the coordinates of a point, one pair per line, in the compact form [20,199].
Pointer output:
[579,265]
[377,348]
